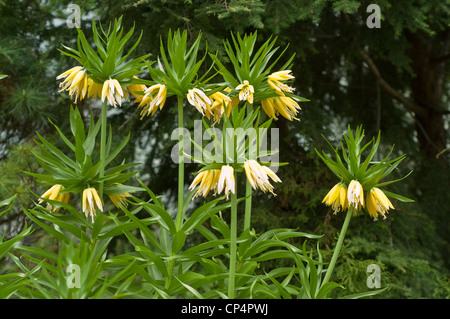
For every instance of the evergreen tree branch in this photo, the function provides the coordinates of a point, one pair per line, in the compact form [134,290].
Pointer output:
[417,109]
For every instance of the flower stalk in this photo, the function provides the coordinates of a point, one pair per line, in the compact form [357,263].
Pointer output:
[103,144]
[338,247]
[180,213]
[233,247]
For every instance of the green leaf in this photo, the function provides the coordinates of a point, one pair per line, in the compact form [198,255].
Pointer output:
[398,197]
[364,294]
[6,246]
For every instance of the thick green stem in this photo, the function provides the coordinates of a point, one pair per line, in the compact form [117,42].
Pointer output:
[248,186]
[233,236]
[180,213]
[248,205]
[103,145]
[338,247]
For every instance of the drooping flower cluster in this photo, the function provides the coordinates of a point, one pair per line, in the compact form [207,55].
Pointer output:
[80,86]
[340,197]
[216,180]
[282,104]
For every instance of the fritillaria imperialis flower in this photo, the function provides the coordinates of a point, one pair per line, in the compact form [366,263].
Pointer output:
[377,203]
[119,199]
[220,102]
[113,92]
[234,100]
[135,88]
[258,176]
[94,89]
[154,97]
[355,194]
[208,180]
[75,81]
[275,83]
[53,194]
[91,202]
[337,198]
[283,105]
[226,180]
[198,98]
[246,92]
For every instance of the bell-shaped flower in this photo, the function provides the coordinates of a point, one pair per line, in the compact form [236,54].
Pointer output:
[246,92]
[54,194]
[154,98]
[198,98]
[377,203]
[355,194]
[226,180]
[113,92]
[208,180]
[220,103]
[91,202]
[337,198]
[275,81]
[258,176]
[75,81]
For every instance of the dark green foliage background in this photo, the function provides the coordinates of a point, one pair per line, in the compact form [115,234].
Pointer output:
[411,245]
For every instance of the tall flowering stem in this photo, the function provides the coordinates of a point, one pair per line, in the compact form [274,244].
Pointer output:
[103,144]
[248,191]
[338,247]
[233,247]
[180,213]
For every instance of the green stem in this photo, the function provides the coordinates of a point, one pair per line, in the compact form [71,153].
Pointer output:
[248,205]
[248,188]
[338,247]
[233,236]
[103,145]
[180,213]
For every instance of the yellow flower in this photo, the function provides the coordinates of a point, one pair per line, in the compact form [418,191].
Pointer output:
[119,199]
[258,176]
[94,89]
[220,102]
[154,97]
[355,194]
[226,180]
[377,203]
[76,82]
[234,100]
[91,202]
[275,79]
[113,92]
[208,180]
[134,89]
[268,105]
[287,107]
[199,99]
[337,198]
[283,105]
[246,91]
[53,194]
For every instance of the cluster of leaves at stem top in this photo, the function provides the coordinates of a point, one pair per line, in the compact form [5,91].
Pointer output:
[81,170]
[108,60]
[368,171]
